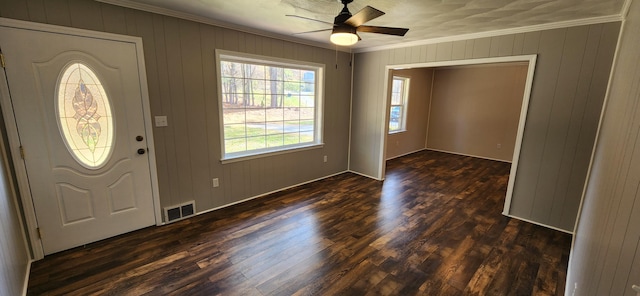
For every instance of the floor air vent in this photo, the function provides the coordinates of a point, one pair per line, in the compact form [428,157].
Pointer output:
[180,211]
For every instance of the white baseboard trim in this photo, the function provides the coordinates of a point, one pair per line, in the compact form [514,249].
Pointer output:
[259,195]
[405,154]
[470,155]
[365,175]
[537,223]
[25,285]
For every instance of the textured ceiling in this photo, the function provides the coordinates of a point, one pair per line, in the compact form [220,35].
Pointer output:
[426,19]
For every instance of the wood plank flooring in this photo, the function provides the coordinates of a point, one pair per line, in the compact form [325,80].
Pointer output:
[433,227]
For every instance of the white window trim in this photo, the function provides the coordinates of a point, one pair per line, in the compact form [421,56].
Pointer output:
[405,104]
[274,61]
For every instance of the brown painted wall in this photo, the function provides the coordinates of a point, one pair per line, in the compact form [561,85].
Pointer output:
[475,109]
[14,257]
[414,138]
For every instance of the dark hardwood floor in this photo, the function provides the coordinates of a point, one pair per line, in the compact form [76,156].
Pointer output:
[433,227]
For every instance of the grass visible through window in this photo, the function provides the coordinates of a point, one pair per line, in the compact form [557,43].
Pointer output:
[265,106]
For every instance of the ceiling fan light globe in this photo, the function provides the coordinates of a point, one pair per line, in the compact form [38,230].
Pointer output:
[343,38]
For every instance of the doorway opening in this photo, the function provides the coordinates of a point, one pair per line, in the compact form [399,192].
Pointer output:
[456,123]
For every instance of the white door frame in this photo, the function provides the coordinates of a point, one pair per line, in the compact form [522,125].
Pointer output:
[14,139]
[531,59]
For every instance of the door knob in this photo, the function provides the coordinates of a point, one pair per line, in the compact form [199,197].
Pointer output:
[141,151]
[139,138]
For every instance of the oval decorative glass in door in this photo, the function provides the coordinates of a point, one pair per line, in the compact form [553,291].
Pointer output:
[84,116]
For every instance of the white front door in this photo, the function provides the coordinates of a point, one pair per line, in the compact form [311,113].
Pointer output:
[79,113]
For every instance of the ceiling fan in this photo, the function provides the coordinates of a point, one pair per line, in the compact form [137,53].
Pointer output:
[346,25]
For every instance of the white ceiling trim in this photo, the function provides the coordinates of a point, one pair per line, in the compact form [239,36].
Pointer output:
[541,27]
[208,21]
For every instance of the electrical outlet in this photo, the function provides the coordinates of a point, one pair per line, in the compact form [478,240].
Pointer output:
[215,182]
[499,146]
[325,158]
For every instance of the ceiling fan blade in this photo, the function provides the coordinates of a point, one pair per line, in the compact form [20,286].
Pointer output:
[314,31]
[364,15]
[383,30]
[309,19]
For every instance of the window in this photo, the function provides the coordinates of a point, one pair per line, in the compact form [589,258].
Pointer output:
[84,116]
[268,105]
[398,110]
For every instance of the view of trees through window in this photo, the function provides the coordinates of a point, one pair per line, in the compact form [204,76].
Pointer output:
[266,106]
[397,111]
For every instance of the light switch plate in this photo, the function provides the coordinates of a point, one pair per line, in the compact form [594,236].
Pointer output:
[161,121]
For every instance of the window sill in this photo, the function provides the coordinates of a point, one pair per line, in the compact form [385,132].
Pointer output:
[397,132]
[268,154]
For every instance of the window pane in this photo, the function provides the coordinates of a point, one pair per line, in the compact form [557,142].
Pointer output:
[234,131]
[275,114]
[257,72]
[291,113]
[397,86]
[233,115]
[256,129]
[394,118]
[396,99]
[307,88]
[306,137]
[266,105]
[229,69]
[307,101]
[274,127]
[291,138]
[292,75]
[307,113]
[306,125]
[292,101]
[397,92]
[275,140]
[256,142]
[84,116]
[259,98]
[292,126]
[255,114]
[235,145]
[399,98]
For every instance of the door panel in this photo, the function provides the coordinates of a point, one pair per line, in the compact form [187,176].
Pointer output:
[76,203]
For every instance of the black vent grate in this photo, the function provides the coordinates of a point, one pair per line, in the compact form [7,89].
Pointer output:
[179,212]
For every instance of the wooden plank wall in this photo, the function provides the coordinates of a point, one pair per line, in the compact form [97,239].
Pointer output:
[179,56]
[605,259]
[568,90]
[14,258]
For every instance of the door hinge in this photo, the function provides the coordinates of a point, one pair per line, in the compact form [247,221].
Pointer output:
[22,152]
[39,232]
[2,60]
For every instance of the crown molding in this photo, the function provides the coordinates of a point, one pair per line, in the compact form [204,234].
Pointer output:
[526,29]
[226,25]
